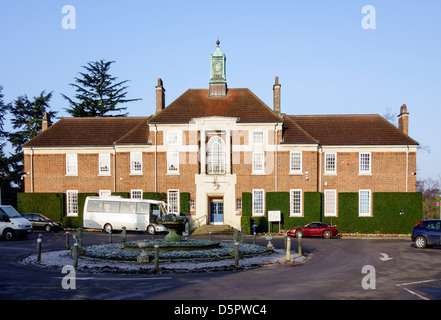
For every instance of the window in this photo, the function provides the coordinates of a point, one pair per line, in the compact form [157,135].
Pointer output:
[105,193]
[172,138]
[258,162]
[295,203]
[364,203]
[192,205]
[72,203]
[216,156]
[71,164]
[104,164]
[172,162]
[238,204]
[173,201]
[258,202]
[365,162]
[258,137]
[295,162]
[136,193]
[135,162]
[330,163]
[330,203]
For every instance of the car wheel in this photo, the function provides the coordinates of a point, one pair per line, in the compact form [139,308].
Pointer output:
[327,234]
[420,242]
[299,233]
[151,229]
[9,234]
[108,228]
[48,228]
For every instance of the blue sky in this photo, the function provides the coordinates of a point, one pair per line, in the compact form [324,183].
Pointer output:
[327,63]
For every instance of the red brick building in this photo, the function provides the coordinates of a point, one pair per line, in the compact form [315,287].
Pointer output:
[218,143]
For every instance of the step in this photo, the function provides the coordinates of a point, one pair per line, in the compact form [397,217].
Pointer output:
[214,229]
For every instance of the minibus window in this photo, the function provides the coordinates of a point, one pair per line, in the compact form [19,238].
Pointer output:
[111,206]
[142,207]
[95,206]
[127,207]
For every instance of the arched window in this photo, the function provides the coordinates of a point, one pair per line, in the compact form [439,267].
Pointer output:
[216,156]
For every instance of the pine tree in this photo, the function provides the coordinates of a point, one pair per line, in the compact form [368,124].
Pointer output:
[97,94]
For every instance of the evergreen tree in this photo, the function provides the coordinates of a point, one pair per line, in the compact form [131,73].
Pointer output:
[97,92]
[28,117]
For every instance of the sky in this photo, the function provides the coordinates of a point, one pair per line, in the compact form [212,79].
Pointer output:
[332,57]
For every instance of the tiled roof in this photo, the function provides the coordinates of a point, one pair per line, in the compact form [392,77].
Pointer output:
[345,130]
[93,132]
[195,103]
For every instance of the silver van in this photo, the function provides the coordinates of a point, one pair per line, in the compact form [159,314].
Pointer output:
[12,224]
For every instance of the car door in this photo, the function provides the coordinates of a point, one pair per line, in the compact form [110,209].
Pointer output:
[434,232]
[313,229]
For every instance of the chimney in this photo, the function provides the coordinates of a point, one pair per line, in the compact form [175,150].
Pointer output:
[160,96]
[276,89]
[403,120]
[44,123]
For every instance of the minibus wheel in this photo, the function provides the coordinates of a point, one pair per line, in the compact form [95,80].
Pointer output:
[151,229]
[107,228]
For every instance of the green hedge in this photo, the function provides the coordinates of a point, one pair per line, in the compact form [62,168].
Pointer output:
[385,207]
[52,205]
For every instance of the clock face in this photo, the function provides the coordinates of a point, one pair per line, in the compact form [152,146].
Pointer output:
[217,66]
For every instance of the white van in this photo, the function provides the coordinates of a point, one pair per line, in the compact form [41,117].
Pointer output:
[115,212]
[12,224]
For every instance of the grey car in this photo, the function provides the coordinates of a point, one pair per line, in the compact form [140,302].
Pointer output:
[40,221]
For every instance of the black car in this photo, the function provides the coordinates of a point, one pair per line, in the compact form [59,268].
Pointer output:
[427,233]
[39,221]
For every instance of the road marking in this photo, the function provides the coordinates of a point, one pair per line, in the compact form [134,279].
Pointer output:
[418,295]
[118,279]
[385,257]
[416,282]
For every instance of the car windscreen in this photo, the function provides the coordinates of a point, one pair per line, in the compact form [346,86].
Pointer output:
[10,212]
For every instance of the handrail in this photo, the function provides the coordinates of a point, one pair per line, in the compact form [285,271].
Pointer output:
[196,223]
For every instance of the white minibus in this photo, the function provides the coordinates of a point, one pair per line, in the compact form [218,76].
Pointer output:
[115,212]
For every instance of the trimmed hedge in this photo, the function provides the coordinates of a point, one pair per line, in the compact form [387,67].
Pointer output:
[386,209]
[52,205]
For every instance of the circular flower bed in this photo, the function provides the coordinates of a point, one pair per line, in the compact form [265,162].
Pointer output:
[117,252]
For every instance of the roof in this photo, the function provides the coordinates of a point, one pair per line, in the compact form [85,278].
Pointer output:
[343,130]
[238,103]
[93,132]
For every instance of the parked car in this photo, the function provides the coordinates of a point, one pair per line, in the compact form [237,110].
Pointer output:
[315,229]
[40,221]
[12,224]
[427,233]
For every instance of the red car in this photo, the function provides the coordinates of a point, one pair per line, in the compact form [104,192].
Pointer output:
[316,229]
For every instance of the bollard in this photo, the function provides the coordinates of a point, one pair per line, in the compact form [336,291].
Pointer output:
[288,249]
[209,236]
[123,235]
[236,255]
[235,235]
[39,247]
[242,234]
[75,255]
[254,237]
[156,257]
[67,240]
[110,237]
[300,244]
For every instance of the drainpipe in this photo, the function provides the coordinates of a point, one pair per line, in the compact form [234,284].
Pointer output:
[32,170]
[156,150]
[275,145]
[114,168]
[320,150]
[407,169]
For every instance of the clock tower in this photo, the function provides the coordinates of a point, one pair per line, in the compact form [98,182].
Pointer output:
[218,82]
